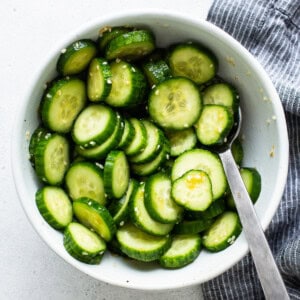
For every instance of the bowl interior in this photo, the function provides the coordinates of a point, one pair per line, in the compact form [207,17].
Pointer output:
[264,134]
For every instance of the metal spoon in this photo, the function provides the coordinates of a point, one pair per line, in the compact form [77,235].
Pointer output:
[270,278]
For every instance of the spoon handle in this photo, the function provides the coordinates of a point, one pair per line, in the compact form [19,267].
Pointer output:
[270,278]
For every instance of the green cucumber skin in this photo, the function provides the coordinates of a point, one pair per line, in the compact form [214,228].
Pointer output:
[69,52]
[46,214]
[104,68]
[99,209]
[38,134]
[140,254]
[182,260]
[100,152]
[127,136]
[109,33]
[156,71]
[226,242]
[41,168]
[192,226]
[109,167]
[152,210]
[77,252]
[52,91]
[134,38]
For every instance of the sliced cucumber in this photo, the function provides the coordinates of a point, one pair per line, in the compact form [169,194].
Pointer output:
[128,85]
[36,136]
[156,71]
[141,218]
[99,80]
[155,140]
[95,216]
[61,104]
[52,158]
[205,160]
[94,125]
[130,46]
[221,94]
[119,208]
[76,57]
[128,134]
[192,226]
[83,244]
[55,206]
[116,174]
[217,207]
[100,152]
[237,151]
[193,190]
[175,103]
[140,245]
[107,33]
[152,166]
[139,140]
[181,140]
[223,232]
[184,250]
[214,124]
[85,179]
[252,181]
[193,61]
[158,201]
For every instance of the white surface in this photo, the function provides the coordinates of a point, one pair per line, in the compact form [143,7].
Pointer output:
[28,268]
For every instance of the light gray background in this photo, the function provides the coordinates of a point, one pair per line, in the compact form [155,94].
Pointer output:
[28,268]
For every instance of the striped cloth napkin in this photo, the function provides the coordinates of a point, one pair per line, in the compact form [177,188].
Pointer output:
[270,30]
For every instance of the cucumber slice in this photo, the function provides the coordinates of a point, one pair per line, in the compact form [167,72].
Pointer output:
[128,85]
[216,208]
[119,208]
[139,140]
[107,33]
[83,244]
[214,124]
[131,45]
[183,251]
[155,140]
[252,181]
[116,174]
[221,94]
[192,226]
[38,133]
[94,125]
[100,152]
[205,160]
[52,158]
[223,232]
[193,61]
[141,218]
[193,190]
[95,216]
[158,201]
[152,166]
[99,80]
[128,134]
[140,245]
[156,71]
[55,206]
[61,104]
[85,179]
[181,140]
[237,151]
[175,103]
[76,57]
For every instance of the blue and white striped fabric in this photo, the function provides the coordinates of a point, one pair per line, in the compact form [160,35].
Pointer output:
[270,30]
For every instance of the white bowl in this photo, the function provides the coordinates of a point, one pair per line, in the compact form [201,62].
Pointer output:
[265,144]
